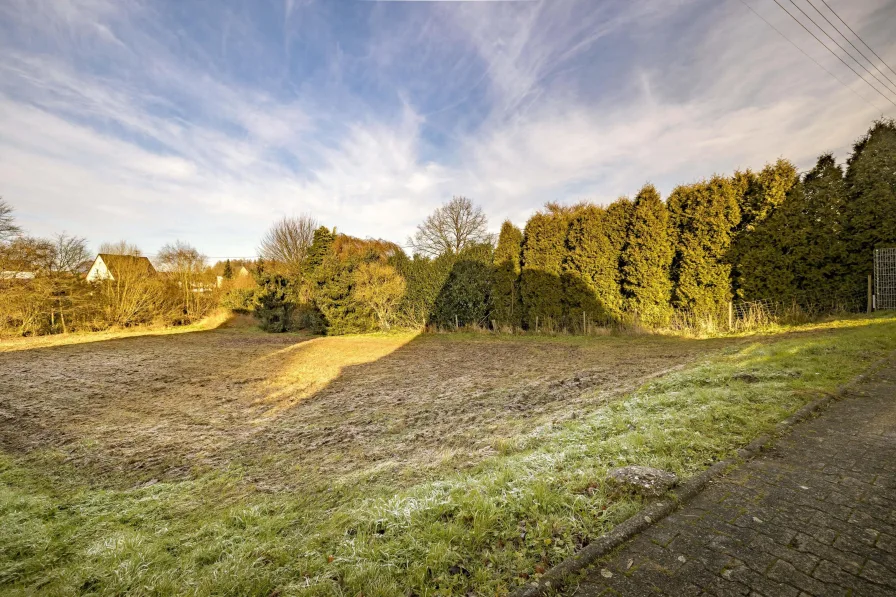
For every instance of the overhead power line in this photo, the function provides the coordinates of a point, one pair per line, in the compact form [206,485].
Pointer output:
[837,56]
[859,37]
[844,50]
[843,35]
[807,55]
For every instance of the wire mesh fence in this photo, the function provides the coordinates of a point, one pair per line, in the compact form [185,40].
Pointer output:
[885,278]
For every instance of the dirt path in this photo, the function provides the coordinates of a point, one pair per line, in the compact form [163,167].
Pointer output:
[815,516]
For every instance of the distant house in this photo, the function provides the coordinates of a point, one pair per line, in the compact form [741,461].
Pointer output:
[238,273]
[107,266]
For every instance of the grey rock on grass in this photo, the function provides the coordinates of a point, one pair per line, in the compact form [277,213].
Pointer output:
[644,479]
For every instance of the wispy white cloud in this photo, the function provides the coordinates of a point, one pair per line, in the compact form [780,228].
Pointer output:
[117,125]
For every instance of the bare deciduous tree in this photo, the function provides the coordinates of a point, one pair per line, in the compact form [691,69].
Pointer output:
[451,228]
[131,296]
[121,247]
[8,229]
[186,267]
[27,254]
[287,242]
[70,254]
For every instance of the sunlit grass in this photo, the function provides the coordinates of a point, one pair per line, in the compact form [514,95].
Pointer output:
[484,529]
[304,369]
[218,319]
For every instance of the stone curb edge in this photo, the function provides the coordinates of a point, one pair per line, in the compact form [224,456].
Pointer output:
[557,577]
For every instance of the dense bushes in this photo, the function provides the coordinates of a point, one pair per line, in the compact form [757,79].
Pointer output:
[703,218]
[543,253]
[647,260]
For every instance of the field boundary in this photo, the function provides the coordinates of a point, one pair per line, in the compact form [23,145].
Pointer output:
[560,575]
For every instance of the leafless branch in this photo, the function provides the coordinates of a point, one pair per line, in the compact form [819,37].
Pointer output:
[451,228]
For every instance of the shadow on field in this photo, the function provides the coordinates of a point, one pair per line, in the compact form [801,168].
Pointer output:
[437,399]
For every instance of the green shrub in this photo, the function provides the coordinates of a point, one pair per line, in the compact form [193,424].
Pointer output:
[464,299]
[507,306]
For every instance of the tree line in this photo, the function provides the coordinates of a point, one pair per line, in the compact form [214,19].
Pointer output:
[772,234]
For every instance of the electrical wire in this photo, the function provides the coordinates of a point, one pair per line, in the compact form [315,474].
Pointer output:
[842,49]
[807,55]
[859,38]
[800,23]
[837,29]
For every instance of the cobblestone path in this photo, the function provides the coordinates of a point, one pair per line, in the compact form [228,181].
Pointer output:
[815,515]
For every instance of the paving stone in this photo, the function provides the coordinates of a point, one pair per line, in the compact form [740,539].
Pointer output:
[813,517]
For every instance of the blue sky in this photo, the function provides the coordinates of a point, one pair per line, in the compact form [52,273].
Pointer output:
[207,120]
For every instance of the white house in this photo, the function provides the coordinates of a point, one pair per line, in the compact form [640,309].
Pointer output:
[107,266]
[242,272]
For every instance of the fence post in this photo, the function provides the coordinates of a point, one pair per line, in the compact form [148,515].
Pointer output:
[730,315]
[536,324]
[870,295]
[456,324]
[584,328]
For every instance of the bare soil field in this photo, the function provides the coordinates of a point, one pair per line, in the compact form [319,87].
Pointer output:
[288,410]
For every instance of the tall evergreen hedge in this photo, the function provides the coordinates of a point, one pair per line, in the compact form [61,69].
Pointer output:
[591,270]
[647,259]
[543,253]
[752,253]
[764,235]
[869,217]
[703,218]
[464,298]
[507,306]
[811,232]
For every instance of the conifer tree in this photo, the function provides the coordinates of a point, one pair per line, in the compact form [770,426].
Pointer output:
[796,252]
[505,294]
[754,254]
[228,270]
[870,215]
[591,269]
[465,299]
[616,224]
[647,259]
[703,217]
[543,253]
[759,194]
[814,239]
[321,248]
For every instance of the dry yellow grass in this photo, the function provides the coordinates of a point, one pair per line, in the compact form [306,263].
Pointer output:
[218,319]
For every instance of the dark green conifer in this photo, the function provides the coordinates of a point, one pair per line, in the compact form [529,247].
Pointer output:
[869,217]
[591,270]
[647,259]
[543,253]
[703,218]
[505,294]
[465,299]
[754,252]
[813,239]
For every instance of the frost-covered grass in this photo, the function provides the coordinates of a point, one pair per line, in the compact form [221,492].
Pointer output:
[479,531]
